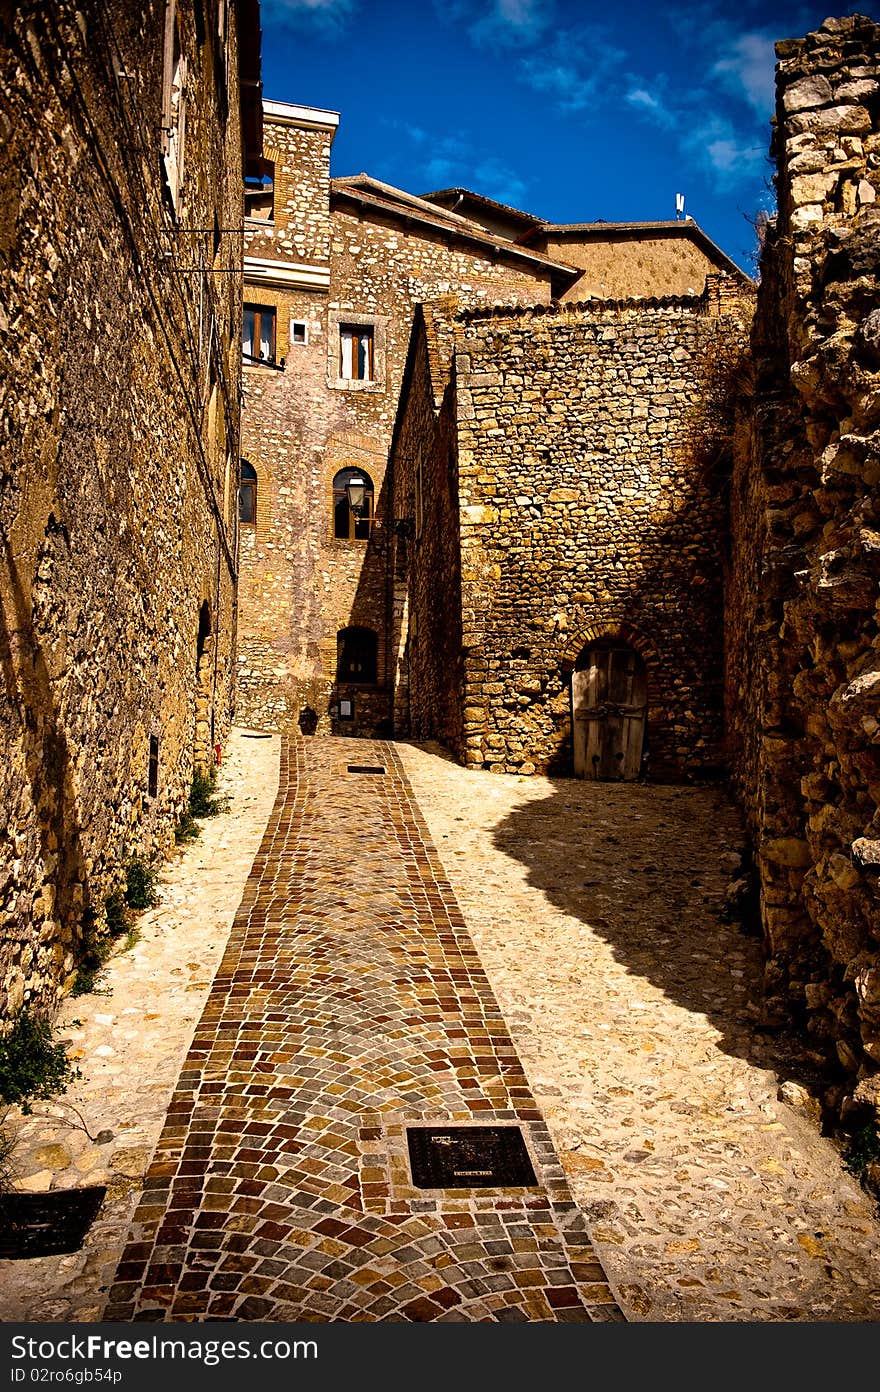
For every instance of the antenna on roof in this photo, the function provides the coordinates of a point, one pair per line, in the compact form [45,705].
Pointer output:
[679,207]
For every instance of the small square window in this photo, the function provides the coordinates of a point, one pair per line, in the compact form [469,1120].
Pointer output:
[258,334]
[355,353]
[299,332]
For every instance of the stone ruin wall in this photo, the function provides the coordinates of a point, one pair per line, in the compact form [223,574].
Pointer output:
[803,674]
[588,440]
[109,517]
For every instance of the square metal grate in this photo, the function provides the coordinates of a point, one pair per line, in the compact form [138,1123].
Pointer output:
[44,1225]
[366,768]
[469,1157]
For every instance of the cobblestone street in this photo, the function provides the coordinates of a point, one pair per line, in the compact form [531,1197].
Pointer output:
[437,946]
[595,908]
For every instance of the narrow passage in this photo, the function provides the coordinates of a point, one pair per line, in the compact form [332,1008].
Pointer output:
[350,1003]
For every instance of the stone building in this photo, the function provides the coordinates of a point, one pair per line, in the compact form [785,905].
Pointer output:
[334,270]
[803,677]
[559,586]
[124,132]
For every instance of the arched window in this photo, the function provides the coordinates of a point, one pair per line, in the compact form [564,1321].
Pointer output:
[352,505]
[247,494]
[356,656]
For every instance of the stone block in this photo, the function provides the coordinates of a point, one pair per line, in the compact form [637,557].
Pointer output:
[810,91]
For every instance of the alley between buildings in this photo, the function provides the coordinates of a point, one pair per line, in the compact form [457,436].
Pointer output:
[430,946]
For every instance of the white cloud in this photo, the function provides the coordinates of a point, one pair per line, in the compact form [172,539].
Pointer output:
[454,160]
[572,88]
[653,107]
[748,70]
[513,22]
[497,180]
[723,153]
[329,15]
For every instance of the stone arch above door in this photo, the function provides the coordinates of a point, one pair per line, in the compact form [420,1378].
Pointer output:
[616,631]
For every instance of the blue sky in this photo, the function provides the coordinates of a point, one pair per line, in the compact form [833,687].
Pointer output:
[571,109]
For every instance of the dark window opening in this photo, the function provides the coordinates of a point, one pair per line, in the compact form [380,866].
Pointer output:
[259,190]
[258,337]
[204,632]
[298,332]
[247,494]
[356,656]
[352,524]
[355,353]
[153,767]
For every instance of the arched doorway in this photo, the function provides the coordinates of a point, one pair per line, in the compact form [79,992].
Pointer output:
[609,696]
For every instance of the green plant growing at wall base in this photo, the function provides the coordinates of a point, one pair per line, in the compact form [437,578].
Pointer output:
[140,884]
[96,946]
[32,1065]
[7,1166]
[203,802]
[862,1150]
[187,829]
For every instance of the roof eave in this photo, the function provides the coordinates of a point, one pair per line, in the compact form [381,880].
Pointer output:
[465,232]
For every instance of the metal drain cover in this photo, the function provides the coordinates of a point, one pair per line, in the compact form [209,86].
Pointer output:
[43,1225]
[366,768]
[469,1157]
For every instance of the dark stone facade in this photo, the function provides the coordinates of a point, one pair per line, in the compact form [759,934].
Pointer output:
[564,488]
[119,381]
[803,677]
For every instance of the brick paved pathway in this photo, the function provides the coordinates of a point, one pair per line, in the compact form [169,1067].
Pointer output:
[350,1003]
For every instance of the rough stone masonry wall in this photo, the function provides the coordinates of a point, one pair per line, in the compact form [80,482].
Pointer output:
[620,264]
[426,628]
[116,522]
[300,584]
[804,646]
[588,439]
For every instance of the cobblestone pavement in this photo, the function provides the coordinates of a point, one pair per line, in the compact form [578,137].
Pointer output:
[129,1039]
[350,1003]
[595,911]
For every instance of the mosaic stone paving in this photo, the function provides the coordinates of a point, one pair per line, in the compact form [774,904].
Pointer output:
[349,1004]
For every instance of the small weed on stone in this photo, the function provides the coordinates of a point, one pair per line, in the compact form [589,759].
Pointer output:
[32,1065]
[140,884]
[863,1151]
[203,802]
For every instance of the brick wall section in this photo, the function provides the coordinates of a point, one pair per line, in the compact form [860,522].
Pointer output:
[116,506]
[587,439]
[804,645]
[299,584]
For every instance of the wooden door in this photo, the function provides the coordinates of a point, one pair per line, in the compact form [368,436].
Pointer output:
[608,709]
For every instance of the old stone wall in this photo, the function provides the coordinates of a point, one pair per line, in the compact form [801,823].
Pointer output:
[587,447]
[428,671]
[300,584]
[619,264]
[299,229]
[119,370]
[804,647]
